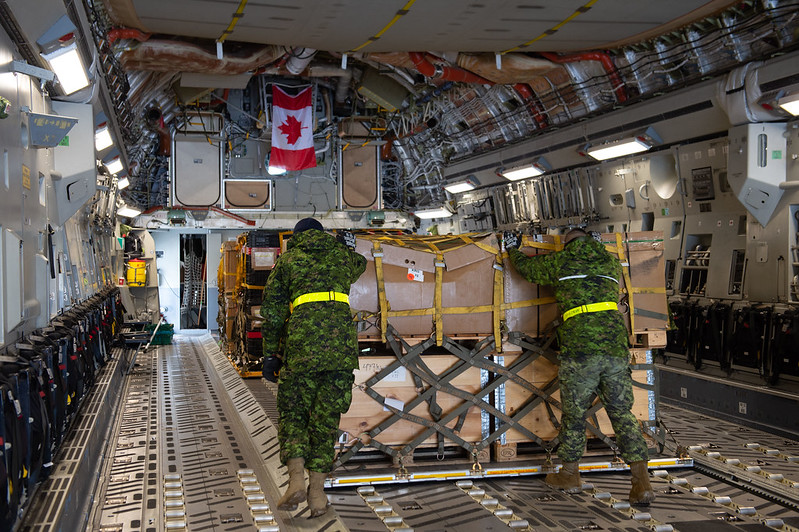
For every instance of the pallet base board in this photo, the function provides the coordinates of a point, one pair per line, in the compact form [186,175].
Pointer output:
[465,470]
[243,372]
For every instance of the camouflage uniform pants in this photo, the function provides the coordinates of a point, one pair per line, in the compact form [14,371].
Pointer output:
[310,408]
[610,377]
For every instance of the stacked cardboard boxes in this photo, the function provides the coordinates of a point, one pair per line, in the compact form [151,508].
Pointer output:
[460,297]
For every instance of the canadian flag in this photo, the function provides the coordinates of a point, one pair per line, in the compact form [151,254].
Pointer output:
[292,130]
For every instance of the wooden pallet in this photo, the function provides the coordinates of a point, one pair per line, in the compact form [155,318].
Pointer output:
[390,415]
[652,339]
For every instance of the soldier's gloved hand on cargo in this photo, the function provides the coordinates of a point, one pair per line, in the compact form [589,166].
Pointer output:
[346,238]
[512,239]
[271,368]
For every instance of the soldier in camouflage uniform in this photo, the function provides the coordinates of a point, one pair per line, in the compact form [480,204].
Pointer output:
[307,318]
[594,354]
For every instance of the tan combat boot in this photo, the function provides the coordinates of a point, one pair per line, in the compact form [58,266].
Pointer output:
[295,493]
[317,500]
[567,479]
[641,492]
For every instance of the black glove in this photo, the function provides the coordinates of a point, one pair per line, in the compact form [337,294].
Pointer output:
[271,368]
[346,238]
[512,239]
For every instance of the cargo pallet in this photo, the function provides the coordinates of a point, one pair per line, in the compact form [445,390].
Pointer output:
[454,470]
[467,398]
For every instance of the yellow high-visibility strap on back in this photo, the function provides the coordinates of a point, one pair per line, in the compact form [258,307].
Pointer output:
[315,297]
[592,307]
[377,253]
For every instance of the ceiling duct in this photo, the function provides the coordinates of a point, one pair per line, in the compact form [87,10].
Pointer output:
[299,59]
[739,95]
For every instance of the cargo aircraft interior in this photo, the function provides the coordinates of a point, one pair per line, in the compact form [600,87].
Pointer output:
[157,155]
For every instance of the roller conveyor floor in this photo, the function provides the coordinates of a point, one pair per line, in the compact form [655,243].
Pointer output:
[192,447]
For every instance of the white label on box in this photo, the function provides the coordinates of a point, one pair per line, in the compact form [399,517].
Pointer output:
[415,275]
[393,403]
[263,259]
[398,375]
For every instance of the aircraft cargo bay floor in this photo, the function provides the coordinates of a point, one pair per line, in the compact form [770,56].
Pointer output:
[193,447]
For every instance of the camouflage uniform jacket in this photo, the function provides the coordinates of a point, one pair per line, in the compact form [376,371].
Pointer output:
[588,333]
[316,336]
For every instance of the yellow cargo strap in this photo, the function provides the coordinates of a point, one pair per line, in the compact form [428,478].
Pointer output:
[377,253]
[625,268]
[314,297]
[437,300]
[593,307]
[528,242]
[498,301]
[649,290]
[439,245]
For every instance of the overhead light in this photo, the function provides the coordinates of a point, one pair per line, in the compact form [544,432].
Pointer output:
[114,166]
[274,170]
[535,168]
[128,212]
[123,183]
[68,67]
[464,185]
[790,103]
[439,212]
[102,137]
[625,146]
[620,148]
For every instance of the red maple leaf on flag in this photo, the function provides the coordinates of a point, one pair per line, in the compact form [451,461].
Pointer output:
[292,129]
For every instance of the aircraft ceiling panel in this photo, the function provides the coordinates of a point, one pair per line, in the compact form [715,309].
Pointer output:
[430,25]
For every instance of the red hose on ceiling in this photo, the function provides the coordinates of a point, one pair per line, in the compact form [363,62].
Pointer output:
[430,70]
[127,33]
[527,94]
[603,58]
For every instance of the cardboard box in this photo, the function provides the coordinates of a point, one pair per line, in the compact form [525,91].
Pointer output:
[399,389]
[468,285]
[533,318]
[644,252]
[262,258]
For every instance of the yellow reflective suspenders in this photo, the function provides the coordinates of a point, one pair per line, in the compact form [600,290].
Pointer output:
[593,307]
[320,296]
